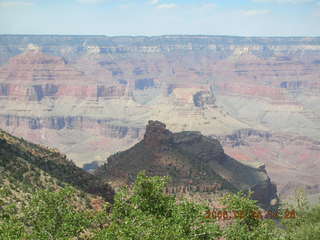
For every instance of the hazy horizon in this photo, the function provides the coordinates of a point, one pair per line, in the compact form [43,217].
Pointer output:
[258,18]
[160,35]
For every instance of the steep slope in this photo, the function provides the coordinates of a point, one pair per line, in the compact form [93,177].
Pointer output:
[26,167]
[194,162]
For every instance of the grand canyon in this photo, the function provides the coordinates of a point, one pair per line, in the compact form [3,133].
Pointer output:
[92,96]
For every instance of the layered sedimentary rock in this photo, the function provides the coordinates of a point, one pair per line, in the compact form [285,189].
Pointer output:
[292,161]
[91,96]
[194,162]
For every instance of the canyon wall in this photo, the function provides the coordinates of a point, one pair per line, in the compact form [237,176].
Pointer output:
[91,96]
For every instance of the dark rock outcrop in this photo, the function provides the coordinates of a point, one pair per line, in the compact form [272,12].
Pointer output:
[194,162]
[156,134]
[204,98]
[265,193]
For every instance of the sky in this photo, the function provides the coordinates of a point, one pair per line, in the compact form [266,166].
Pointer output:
[161,17]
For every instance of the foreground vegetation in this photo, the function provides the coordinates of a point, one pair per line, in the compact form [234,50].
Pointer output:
[146,212]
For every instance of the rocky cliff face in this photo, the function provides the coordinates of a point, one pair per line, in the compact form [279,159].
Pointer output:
[194,162]
[91,96]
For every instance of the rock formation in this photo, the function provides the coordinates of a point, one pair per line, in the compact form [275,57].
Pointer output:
[194,162]
[156,134]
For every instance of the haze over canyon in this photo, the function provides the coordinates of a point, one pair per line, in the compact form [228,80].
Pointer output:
[92,96]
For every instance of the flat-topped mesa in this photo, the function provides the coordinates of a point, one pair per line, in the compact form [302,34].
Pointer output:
[156,134]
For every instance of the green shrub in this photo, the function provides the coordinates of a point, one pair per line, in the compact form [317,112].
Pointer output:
[51,215]
[146,212]
[11,227]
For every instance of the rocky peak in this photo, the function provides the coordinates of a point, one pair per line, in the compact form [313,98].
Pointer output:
[156,134]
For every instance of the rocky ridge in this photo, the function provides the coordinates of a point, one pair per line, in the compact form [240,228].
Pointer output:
[27,167]
[194,162]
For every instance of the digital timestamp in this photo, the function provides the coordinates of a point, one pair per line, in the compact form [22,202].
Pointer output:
[228,215]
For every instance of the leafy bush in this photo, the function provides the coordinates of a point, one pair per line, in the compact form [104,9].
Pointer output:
[146,212]
[50,215]
[11,227]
